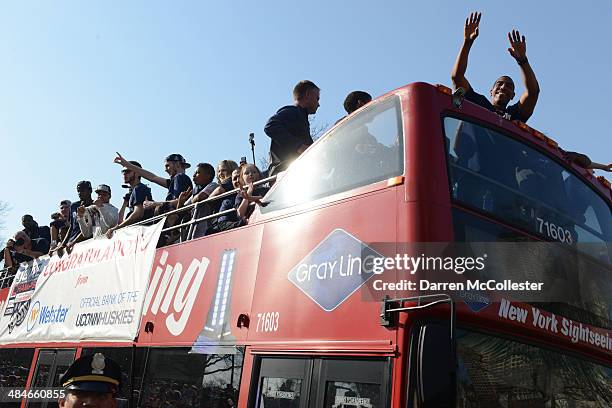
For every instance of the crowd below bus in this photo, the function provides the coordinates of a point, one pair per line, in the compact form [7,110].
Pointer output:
[233,190]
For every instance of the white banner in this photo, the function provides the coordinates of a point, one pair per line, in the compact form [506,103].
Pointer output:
[94,293]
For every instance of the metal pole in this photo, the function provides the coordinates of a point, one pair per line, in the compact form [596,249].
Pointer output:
[252,142]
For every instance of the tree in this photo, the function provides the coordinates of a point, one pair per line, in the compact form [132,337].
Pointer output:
[264,163]
[317,129]
[4,210]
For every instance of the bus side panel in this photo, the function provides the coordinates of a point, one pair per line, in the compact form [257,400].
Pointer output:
[301,295]
[199,289]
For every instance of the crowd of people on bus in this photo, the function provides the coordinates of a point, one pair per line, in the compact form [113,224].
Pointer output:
[235,184]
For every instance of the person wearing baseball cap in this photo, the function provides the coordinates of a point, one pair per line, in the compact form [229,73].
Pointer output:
[134,200]
[95,220]
[103,188]
[74,234]
[92,380]
[178,182]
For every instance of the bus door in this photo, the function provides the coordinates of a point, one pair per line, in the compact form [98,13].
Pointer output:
[321,383]
[50,366]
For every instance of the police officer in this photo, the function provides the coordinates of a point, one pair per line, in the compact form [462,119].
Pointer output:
[91,381]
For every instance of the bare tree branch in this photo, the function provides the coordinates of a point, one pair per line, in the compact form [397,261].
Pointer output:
[264,163]
[317,129]
[220,370]
[213,359]
[4,210]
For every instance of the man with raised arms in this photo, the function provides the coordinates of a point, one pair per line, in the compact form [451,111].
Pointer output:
[503,88]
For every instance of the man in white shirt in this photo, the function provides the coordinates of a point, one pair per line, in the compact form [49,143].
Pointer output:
[96,219]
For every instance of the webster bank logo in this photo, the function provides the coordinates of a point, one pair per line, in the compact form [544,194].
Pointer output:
[334,269]
[43,314]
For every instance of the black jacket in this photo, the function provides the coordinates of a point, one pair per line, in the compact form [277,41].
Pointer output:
[289,129]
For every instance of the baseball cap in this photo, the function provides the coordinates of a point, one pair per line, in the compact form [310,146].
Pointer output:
[84,184]
[175,157]
[103,187]
[134,162]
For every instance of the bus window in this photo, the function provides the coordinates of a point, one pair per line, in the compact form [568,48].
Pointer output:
[322,383]
[283,382]
[494,372]
[280,392]
[123,357]
[496,174]
[584,281]
[50,366]
[354,383]
[14,368]
[176,377]
[364,149]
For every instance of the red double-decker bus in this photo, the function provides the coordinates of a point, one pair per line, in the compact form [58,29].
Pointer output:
[284,311]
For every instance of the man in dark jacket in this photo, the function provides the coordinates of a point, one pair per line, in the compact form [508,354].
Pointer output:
[30,227]
[23,249]
[289,128]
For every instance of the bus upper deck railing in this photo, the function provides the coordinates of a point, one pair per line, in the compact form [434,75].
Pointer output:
[8,274]
[6,277]
[199,203]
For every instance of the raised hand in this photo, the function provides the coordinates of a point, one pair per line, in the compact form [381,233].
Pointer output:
[244,195]
[120,160]
[148,204]
[518,47]
[184,196]
[470,31]
[604,167]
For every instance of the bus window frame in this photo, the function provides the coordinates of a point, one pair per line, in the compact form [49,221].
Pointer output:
[55,352]
[519,139]
[257,375]
[316,376]
[352,192]
[133,350]
[412,352]
[147,349]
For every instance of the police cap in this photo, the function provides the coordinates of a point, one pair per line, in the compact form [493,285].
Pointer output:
[93,373]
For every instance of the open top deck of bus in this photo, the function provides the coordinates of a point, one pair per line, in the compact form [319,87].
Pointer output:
[396,172]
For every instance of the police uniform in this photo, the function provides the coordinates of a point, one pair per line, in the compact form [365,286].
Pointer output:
[92,373]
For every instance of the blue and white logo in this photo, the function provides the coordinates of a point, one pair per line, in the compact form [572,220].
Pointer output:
[42,314]
[476,301]
[334,270]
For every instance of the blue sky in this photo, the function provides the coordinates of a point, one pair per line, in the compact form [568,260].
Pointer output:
[81,80]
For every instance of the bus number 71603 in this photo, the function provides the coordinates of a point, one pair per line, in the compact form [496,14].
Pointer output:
[554,231]
[267,322]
